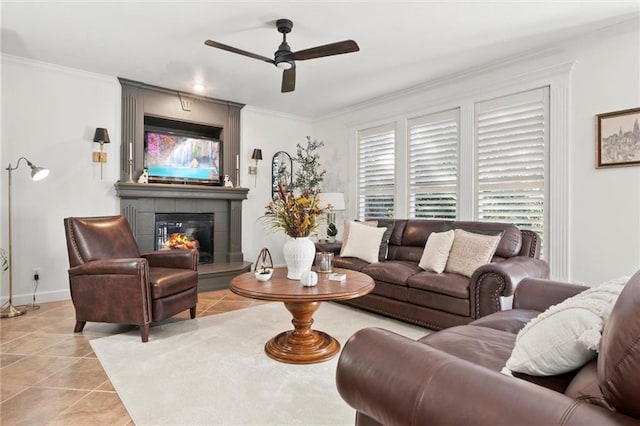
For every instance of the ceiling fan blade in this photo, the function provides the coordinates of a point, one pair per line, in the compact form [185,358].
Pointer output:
[289,80]
[238,51]
[338,48]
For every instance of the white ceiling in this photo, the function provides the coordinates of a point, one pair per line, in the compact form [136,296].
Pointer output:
[401,43]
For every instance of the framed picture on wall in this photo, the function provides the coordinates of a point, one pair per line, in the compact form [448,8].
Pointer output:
[618,138]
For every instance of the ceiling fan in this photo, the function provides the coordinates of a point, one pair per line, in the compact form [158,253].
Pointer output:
[285,59]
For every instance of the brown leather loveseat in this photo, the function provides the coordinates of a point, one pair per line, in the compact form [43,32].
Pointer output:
[406,292]
[453,376]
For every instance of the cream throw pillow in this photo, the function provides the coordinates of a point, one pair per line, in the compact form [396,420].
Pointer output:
[364,242]
[565,336]
[436,251]
[470,251]
[347,227]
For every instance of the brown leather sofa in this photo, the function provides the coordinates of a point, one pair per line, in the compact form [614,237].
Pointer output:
[452,376]
[406,292]
[111,281]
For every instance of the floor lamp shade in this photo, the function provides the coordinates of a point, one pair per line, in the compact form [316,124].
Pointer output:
[37,173]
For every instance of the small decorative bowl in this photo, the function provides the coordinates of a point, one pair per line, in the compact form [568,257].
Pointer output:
[262,276]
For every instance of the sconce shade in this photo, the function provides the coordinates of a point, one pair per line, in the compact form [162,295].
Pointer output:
[336,199]
[257,154]
[101,135]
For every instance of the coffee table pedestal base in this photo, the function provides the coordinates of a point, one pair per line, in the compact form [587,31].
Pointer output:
[302,345]
[319,348]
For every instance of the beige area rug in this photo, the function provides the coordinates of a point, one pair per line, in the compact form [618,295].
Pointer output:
[213,370]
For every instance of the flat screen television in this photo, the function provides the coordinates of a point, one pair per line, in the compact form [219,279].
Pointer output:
[182,158]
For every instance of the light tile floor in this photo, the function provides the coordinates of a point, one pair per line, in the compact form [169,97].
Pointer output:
[49,375]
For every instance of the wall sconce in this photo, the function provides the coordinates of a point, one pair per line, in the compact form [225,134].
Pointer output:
[253,170]
[101,136]
[37,173]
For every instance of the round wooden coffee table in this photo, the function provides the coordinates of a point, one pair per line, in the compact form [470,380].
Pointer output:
[302,345]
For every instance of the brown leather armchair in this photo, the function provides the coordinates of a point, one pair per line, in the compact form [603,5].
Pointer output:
[112,282]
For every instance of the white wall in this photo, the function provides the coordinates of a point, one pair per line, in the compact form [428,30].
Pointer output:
[271,132]
[49,115]
[604,205]
[605,202]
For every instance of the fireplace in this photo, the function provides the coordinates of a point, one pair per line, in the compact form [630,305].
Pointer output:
[195,226]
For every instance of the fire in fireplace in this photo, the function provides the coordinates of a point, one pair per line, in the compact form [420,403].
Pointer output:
[194,226]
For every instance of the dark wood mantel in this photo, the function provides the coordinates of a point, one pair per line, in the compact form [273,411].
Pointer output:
[166,190]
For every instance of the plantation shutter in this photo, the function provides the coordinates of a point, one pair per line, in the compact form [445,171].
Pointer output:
[376,172]
[433,165]
[510,176]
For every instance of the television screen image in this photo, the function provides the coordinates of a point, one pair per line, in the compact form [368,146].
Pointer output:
[181,158]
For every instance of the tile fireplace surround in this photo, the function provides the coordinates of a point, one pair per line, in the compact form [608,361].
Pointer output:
[139,203]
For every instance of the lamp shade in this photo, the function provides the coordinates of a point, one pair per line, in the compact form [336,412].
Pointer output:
[38,173]
[335,199]
[257,154]
[101,135]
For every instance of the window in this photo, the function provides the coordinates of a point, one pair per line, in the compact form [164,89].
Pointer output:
[376,172]
[433,165]
[510,159]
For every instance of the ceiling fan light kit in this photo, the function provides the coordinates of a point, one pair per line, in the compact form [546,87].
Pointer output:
[285,60]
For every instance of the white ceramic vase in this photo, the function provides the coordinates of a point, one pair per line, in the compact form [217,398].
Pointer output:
[299,254]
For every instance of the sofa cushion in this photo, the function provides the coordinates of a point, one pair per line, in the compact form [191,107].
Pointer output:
[167,281]
[391,291]
[470,251]
[511,320]
[436,251]
[450,284]
[440,302]
[416,232]
[480,345]
[363,243]
[487,347]
[392,271]
[585,386]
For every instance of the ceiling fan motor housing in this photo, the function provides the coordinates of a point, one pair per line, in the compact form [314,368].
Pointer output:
[284,57]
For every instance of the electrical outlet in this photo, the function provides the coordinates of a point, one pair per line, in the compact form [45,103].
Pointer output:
[36,274]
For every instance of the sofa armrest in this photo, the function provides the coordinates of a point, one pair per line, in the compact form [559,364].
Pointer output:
[539,294]
[490,282]
[404,382]
[184,259]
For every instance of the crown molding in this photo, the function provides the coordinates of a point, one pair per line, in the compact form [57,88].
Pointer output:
[20,60]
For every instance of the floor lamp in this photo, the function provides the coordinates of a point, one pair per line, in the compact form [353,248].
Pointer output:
[37,173]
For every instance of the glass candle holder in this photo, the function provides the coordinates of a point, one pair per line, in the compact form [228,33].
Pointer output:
[324,262]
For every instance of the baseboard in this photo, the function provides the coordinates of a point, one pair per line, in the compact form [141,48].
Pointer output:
[41,297]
